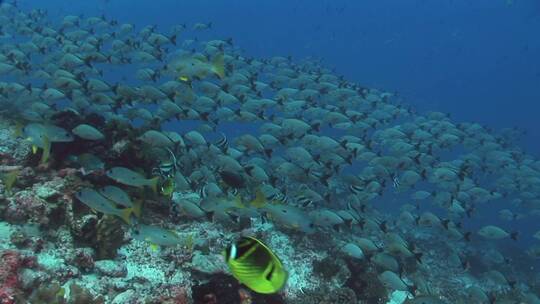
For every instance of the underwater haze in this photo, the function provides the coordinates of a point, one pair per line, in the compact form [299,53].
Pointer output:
[477,60]
[269,152]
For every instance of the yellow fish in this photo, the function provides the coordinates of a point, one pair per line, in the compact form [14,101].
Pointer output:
[256,266]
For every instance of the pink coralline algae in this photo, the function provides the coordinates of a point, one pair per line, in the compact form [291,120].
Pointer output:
[174,295]
[10,263]
[83,258]
[6,159]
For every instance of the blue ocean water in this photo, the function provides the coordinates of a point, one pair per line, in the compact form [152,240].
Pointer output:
[477,60]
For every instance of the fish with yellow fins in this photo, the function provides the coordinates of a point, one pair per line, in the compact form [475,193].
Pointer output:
[253,264]
[42,136]
[129,177]
[188,67]
[156,236]
[100,203]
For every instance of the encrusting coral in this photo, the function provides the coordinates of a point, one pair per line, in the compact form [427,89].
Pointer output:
[109,237]
[11,264]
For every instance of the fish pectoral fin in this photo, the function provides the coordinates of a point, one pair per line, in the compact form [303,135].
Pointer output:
[154,247]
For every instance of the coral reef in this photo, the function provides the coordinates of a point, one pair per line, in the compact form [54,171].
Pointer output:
[173,295]
[109,237]
[12,150]
[85,154]
[365,284]
[80,295]
[11,264]
[9,280]
[221,288]
[328,295]
[26,207]
[51,293]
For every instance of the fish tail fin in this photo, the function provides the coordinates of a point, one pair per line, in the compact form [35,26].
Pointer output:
[154,184]
[260,199]
[137,208]
[238,201]
[46,150]
[125,215]
[218,66]
[18,132]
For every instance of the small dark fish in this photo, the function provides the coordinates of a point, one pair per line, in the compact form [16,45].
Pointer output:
[223,143]
[395,182]
[202,192]
[233,179]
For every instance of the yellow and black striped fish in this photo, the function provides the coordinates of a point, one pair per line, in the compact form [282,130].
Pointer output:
[256,266]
